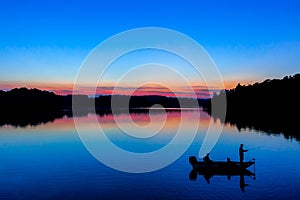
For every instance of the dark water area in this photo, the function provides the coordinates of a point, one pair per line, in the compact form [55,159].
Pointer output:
[285,124]
[47,160]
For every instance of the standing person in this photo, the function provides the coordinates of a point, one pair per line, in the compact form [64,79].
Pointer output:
[241,152]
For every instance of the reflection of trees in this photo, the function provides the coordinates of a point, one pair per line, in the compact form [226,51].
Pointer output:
[22,106]
[34,118]
[271,106]
[18,119]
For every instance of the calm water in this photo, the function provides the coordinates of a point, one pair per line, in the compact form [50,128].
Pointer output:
[49,161]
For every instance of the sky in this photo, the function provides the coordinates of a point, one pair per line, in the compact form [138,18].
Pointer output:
[44,43]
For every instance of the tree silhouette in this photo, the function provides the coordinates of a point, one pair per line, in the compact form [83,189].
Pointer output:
[271,106]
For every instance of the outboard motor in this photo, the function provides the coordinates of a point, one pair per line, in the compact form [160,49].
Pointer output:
[193,161]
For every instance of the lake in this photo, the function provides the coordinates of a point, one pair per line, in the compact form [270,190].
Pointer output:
[49,161]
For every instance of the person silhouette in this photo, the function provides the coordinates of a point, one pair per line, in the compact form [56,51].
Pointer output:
[241,152]
[207,159]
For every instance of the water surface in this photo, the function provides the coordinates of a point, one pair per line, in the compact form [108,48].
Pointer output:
[49,161]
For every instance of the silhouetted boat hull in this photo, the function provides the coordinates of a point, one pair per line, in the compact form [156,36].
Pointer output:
[219,168]
[231,167]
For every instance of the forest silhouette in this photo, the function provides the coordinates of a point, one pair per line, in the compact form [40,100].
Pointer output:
[271,106]
[23,106]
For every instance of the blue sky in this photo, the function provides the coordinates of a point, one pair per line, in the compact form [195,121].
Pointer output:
[46,41]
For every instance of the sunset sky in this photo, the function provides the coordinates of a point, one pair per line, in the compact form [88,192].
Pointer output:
[43,43]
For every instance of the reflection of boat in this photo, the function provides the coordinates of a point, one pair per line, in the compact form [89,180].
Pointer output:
[219,172]
[229,168]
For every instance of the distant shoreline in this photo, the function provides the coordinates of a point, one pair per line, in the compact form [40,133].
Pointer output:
[23,99]
[269,106]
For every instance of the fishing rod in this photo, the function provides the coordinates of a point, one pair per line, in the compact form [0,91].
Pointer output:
[253,148]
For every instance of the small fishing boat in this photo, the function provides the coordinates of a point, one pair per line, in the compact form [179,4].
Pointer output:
[220,166]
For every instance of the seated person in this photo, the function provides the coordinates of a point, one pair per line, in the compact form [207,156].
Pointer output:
[228,160]
[207,159]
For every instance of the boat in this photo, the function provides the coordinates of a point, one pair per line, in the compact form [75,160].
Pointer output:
[220,167]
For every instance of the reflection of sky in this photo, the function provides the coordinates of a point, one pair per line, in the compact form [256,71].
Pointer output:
[51,159]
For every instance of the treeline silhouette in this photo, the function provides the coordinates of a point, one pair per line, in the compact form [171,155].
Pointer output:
[271,106]
[23,106]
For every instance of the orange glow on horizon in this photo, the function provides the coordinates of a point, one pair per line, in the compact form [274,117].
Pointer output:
[201,91]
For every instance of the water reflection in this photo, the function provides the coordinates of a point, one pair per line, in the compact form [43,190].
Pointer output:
[51,159]
[33,119]
[30,119]
[277,125]
[23,120]
[208,174]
